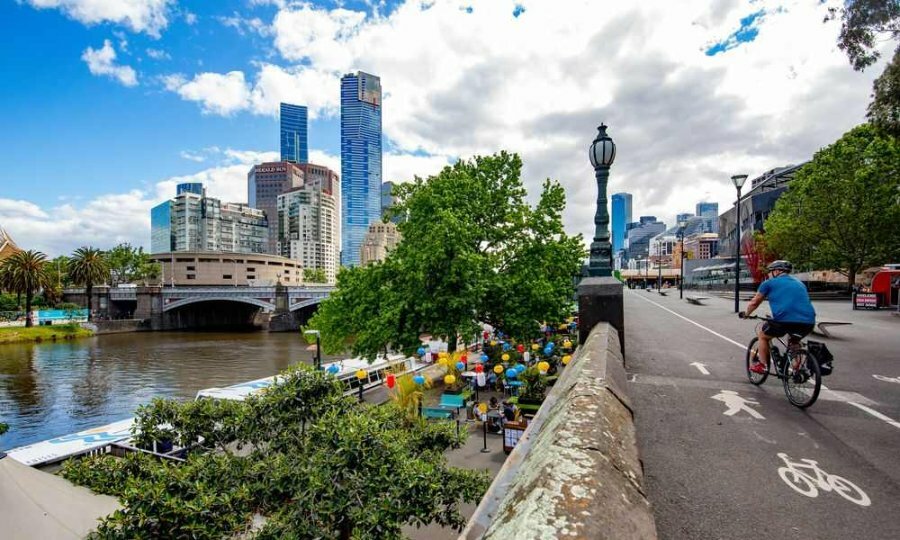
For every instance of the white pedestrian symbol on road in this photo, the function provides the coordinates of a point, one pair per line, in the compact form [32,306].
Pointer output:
[736,404]
[809,483]
[887,379]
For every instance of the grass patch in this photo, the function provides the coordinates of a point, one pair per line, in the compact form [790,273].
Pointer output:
[38,334]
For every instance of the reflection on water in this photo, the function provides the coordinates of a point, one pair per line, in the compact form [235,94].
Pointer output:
[51,389]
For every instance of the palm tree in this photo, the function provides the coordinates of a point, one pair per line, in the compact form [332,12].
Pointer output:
[88,266]
[26,273]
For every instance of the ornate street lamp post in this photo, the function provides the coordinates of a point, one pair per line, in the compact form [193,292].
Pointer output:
[602,153]
[681,226]
[738,181]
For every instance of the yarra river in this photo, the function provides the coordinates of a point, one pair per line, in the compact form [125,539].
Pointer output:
[51,389]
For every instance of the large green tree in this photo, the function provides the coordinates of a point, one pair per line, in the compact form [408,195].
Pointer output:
[88,266]
[865,25]
[129,264]
[842,211]
[312,462]
[25,272]
[473,250]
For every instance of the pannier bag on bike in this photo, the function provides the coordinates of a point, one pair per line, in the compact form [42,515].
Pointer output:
[823,355]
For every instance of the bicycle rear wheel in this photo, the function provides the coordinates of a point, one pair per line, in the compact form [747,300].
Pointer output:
[755,378]
[802,385]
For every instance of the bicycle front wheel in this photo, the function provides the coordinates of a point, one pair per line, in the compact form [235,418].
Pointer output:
[752,354]
[803,382]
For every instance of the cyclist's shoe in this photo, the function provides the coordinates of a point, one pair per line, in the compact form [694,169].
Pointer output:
[758,367]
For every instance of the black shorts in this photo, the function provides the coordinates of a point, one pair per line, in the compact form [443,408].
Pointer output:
[778,329]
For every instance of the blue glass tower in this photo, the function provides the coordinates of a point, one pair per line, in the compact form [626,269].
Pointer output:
[621,216]
[360,161]
[294,140]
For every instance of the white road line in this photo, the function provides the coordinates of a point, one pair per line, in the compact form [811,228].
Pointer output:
[713,332]
[835,396]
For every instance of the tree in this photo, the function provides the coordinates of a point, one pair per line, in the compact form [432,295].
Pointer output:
[473,251]
[842,210]
[87,267]
[128,264]
[865,23]
[312,462]
[314,275]
[25,272]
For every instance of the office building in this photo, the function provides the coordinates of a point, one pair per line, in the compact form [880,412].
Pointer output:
[195,222]
[709,211]
[189,187]
[360,161]
[294,138]
[379,240]
[756,205]
[637,240]
[621,217]
[682,218]
[308,222]
[265,182]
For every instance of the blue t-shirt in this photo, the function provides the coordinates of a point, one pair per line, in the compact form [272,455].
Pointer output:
[788,299]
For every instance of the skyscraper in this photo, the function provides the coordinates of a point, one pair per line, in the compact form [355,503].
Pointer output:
[621,216]
[308,224]
[294,140]
[709,211]
[360,161]
[265,182]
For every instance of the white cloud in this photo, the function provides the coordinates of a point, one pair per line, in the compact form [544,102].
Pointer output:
[148,16]
[192,156]
[124,217]
[158,54]
[398,167]
[217,93]
[190,18]
[244,25]
[103,62]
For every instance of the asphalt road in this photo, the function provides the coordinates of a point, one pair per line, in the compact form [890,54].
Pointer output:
[713,475]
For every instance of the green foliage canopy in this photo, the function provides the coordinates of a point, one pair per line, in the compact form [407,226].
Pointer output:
[313,462]
[865,24]
[472,250]
[25,272]
[842,211]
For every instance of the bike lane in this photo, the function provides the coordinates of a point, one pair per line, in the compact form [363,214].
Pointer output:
[713,444]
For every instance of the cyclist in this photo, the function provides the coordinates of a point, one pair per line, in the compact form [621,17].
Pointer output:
[792,312]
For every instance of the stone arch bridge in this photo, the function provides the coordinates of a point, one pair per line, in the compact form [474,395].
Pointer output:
[274,308]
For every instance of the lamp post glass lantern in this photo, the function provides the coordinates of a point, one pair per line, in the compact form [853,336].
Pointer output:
[738,181]
[602,153]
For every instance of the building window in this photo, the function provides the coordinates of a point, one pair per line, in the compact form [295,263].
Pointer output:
[251,276]
[226,276]
[191,268]
[249,269]
[191,276]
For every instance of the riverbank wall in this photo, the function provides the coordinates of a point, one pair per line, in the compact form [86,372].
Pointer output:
[576,472]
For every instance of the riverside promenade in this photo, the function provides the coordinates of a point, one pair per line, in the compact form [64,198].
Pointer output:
[725,459]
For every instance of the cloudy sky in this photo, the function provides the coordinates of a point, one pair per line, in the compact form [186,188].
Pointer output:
[106,104]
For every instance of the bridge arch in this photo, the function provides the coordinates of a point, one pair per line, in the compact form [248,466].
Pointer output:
[266,306]
[306,302]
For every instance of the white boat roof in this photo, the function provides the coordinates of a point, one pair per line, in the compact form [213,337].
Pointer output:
[60,448]
[349,366]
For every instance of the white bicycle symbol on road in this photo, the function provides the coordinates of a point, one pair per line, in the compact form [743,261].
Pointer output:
[809,485]
[887,379]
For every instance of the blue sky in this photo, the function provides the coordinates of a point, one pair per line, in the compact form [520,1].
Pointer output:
[106,104]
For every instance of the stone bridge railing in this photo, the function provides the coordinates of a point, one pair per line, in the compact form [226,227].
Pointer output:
[575,473]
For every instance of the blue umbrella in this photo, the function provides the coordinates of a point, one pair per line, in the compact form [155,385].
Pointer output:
[484,357]
[418,379]
[421,351]
[333,369]
[460,366]
[512,373]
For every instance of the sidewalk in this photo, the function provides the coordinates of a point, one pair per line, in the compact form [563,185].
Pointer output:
[468,456]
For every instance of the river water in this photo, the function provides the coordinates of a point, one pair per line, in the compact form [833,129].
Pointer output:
[51,389]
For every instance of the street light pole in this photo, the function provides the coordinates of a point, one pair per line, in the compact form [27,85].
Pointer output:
[318,347]
[681,264]
[602,154]
[738,181]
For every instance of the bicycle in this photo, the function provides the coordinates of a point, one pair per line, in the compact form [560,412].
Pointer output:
[797,368]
